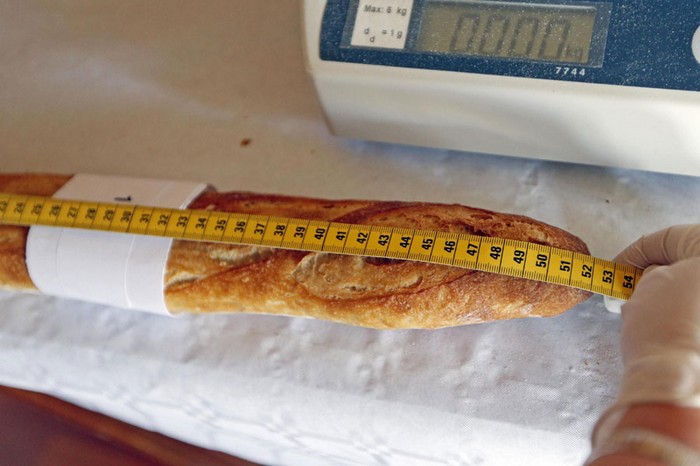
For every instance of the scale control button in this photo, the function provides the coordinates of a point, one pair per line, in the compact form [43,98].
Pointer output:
[696,44]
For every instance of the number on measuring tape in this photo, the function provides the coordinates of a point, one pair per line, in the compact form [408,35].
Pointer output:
[497,255]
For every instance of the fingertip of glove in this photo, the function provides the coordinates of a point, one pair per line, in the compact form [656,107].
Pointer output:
[613,305]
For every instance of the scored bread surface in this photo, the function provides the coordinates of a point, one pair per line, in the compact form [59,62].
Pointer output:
[380,293]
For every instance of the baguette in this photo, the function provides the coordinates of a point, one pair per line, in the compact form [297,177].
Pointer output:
[378,293]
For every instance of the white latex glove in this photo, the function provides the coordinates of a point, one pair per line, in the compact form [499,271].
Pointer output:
[661,321]
[660,343]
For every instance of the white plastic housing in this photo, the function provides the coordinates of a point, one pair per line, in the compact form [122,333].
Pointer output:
[631,127]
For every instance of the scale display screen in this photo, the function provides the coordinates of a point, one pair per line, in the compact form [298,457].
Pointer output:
[633,43]
[543,32]
[562,31]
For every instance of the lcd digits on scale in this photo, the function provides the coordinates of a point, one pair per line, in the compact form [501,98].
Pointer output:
[552,33]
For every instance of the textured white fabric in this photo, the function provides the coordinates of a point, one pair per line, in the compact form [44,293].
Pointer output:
[216,91]
[277,390]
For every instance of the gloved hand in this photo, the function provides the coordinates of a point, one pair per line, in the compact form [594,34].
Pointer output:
[660,343]
[661,321]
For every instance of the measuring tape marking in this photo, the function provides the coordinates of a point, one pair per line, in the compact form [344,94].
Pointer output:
[489,254]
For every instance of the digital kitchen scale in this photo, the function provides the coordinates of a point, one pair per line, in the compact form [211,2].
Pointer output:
[612,82]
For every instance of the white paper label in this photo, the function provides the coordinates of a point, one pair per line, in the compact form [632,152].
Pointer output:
[382,23]
[104,267]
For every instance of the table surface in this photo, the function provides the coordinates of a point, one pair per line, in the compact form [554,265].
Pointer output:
[217,92]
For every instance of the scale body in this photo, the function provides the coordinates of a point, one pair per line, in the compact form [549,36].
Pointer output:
[613,82]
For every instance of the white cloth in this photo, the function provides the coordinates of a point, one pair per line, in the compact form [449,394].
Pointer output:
[216,91]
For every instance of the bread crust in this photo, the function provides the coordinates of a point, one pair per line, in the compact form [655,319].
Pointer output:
[13,240]
[377,293]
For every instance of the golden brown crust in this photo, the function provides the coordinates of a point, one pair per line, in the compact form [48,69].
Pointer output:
[206,277]
[13,240]
[356,290]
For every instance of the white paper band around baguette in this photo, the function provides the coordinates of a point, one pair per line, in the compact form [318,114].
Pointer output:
[118,270]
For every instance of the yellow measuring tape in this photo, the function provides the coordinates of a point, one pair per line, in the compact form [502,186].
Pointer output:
[487,254]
